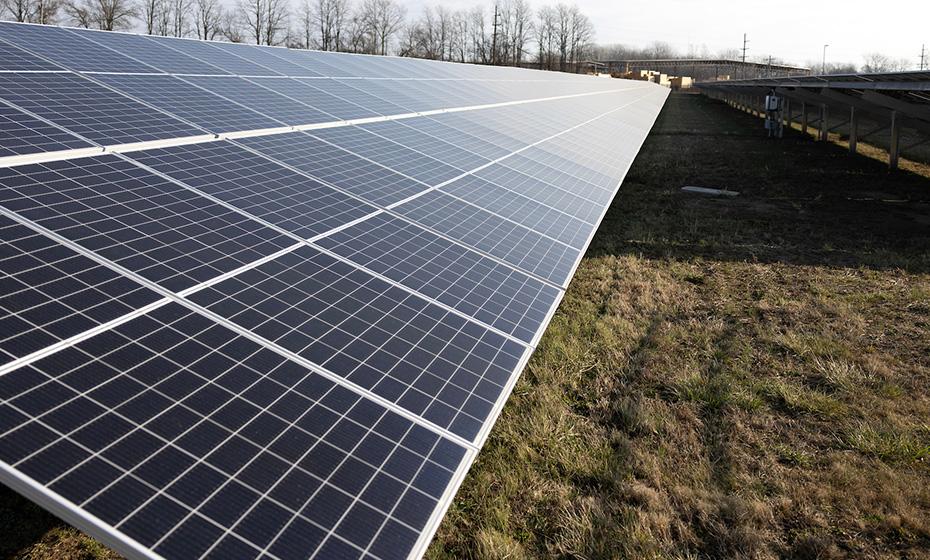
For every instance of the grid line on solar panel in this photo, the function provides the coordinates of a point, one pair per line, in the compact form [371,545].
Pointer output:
[14,58]
[387,153]
[347,92]
[522,184]
[206,52]
[263,57]
[50,293]
[89,109]
[523,210]
[522,248]
[147,52]
[258,186]
[382,338]
[468,282]
[436,148]
[166,233]
[334,166]
[300,90]
[189,102]
[22,133]
[264,100]
[67,49]
[249,431]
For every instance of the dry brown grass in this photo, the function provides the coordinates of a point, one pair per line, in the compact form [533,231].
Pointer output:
[743,378]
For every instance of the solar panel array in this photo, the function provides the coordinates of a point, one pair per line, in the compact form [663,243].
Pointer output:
[268,303]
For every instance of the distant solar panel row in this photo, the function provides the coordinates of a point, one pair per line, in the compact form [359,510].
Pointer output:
[284,343]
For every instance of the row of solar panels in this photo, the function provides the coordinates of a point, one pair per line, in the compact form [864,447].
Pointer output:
[82,50]
[112,109]
[283,345]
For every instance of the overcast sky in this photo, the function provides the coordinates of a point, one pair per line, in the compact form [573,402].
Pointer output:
[794,30]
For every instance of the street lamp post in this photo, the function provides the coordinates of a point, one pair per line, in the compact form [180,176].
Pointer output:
[823,66]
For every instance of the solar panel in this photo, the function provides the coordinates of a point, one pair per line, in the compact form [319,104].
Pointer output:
[67,49]
[191,103]
[229,341]
[269,103]
[149,52]
[90,110]
[12,58]
[24,134]
[345,170]
[258,186]
[159,229]
[51,293]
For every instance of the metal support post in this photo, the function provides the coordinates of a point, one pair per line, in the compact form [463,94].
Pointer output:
[893,151]
[853,130]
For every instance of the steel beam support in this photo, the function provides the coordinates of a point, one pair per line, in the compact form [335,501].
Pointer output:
[853,130]
[894,150]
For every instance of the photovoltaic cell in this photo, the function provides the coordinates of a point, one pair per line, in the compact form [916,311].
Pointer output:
[380,337]
[515,181]
[523,210]
[24,134]
[258,186]
[177,433]
[345,91]
[12,58]
[265,58]
[190,103]
[50,293]
[445,152]
[264,100]
[151,53]
[68,49]
[390,154]
[89,109]
[433,266]
[300,90]
[210,53]
[349,172]
[156,228]
[477,228]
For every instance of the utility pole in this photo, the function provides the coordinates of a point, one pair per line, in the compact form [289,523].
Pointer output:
[923,57]
[769,69]
[494,37]
[823,68]
[745,48]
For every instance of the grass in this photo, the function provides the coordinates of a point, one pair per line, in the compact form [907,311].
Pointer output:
[740,378]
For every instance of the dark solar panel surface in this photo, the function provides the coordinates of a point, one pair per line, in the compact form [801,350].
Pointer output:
[340,168]
[189,102]
[21,133]
[267,345]
[156,228]
[433,266]
[89,109]
[258,186]
[380,337]
[67,49]
[49,293]
[192,440]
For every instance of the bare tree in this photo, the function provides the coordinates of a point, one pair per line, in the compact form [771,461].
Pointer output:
[208,18]
[517,24]
[148,9]
[180,16]
[232,27]
[329,19]
[252,15]
[276,21]
[545,36]
[32,11]
[381,20]
[107,15]
[878,62]
[18,10]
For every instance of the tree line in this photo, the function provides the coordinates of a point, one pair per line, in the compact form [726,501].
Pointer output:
[508,32]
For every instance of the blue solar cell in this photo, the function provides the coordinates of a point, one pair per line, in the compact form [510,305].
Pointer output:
[265,56]
[336,167]
[210,53]
[354,91]
[258,186]
[427,170]
[186,437]
[13,58]
[433,266]
[89,109]
[267,102]
[515,181]
[491,234]
[301,90]
[144,50]
[164,232]
[24,134]
[67,49]
[190,102]
[429,361]
[525,211]
[432,146]
[50,293]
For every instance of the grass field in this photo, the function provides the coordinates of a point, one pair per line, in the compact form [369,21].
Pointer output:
[738,378]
